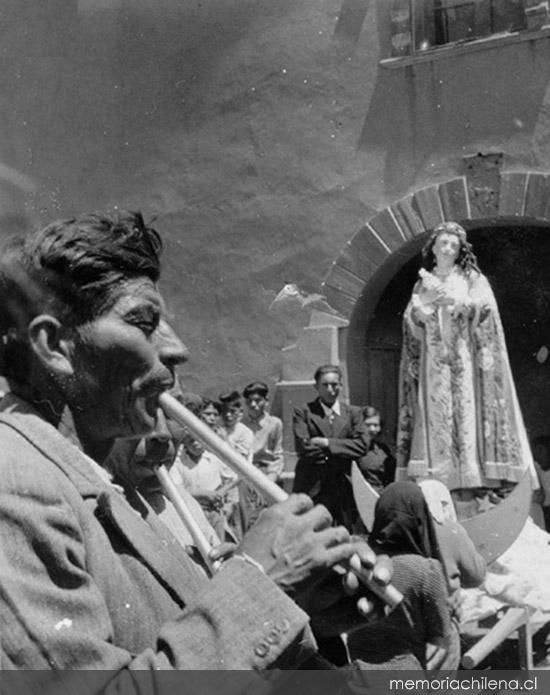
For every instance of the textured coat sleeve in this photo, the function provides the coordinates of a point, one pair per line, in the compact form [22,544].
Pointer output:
[276,466]
[354,445]
[434,604]
[54,615]
[302,435]
[471,565]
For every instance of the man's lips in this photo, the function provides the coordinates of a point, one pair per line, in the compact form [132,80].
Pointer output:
[152,465]
[151,396]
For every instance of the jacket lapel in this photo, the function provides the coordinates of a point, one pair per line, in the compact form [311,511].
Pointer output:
[152,541]
[340,422]
[154,544]
[320,420]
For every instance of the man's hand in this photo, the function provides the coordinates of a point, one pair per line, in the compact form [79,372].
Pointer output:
[295,543]
[378,566]
[344,604]
[209,499]
[223,551]
[321,442]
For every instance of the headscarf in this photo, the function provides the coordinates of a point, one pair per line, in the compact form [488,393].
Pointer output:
[402,522]
[439,500]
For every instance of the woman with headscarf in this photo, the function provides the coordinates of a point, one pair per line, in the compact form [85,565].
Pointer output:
[463,565]
[419,634]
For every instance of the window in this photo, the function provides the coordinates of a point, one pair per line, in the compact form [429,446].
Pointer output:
[422,25]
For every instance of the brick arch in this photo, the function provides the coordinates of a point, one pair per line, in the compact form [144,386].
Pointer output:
[523,195]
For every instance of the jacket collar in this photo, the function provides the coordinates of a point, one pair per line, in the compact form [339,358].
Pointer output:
[140,526]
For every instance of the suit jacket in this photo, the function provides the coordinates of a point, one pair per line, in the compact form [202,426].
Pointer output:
[87,582]
[321,472]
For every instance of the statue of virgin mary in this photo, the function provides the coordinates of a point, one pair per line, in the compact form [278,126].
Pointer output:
[459,418]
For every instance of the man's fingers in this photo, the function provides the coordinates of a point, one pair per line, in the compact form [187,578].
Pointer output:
[333,536]
[383,570]
[365,555]
[298,503]
[365,558]
[364,606]
[222,551]
[350,583]
[321,519]
[338,553]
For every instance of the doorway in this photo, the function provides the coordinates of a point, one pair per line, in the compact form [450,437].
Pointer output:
[515,257]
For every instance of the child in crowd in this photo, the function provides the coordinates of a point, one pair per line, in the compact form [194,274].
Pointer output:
[378,464]
[206,477]
[241,438]
[210,414]
[267,448]
[267,430]
[238,435]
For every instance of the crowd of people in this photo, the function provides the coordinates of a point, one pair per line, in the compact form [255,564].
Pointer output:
[100,567]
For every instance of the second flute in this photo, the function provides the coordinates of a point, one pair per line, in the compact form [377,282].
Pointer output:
[270,490]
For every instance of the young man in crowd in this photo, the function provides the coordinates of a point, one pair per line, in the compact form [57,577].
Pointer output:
[328,436]
[267,448]
[267,430]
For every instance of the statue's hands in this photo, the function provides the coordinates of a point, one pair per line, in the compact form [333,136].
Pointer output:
[432,295]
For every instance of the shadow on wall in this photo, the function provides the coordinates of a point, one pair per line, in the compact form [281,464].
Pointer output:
[454,104]
[350,20]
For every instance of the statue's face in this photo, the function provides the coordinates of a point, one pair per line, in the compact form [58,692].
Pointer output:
[446,248]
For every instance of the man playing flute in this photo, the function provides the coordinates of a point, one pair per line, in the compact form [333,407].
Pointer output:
[85,581]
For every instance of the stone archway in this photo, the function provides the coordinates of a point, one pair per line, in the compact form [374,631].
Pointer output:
[375,255]
[519,195]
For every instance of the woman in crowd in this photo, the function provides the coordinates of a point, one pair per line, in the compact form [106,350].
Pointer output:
[203,474]
[419,634]
[378,464]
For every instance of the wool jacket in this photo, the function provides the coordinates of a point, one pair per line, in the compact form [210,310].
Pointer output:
[88,581]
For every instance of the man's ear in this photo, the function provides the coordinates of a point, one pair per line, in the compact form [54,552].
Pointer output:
[50,347]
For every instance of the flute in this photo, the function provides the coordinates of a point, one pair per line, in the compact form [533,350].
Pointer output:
[201,542]
[270,490]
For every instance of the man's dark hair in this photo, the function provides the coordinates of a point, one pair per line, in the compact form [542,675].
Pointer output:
[230,399]
[192,401]
[73,270]
[370,411]
[256,388]
[207,402]
[327,369]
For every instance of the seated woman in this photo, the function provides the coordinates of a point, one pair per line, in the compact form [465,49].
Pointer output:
[378,464]
[419,633]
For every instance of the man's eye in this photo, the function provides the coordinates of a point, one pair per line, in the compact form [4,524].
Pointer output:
[147,327]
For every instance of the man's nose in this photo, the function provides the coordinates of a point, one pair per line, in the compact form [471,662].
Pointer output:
[161,433]
[171,349]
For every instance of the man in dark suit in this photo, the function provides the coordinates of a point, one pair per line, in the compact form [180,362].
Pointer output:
[328,436]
